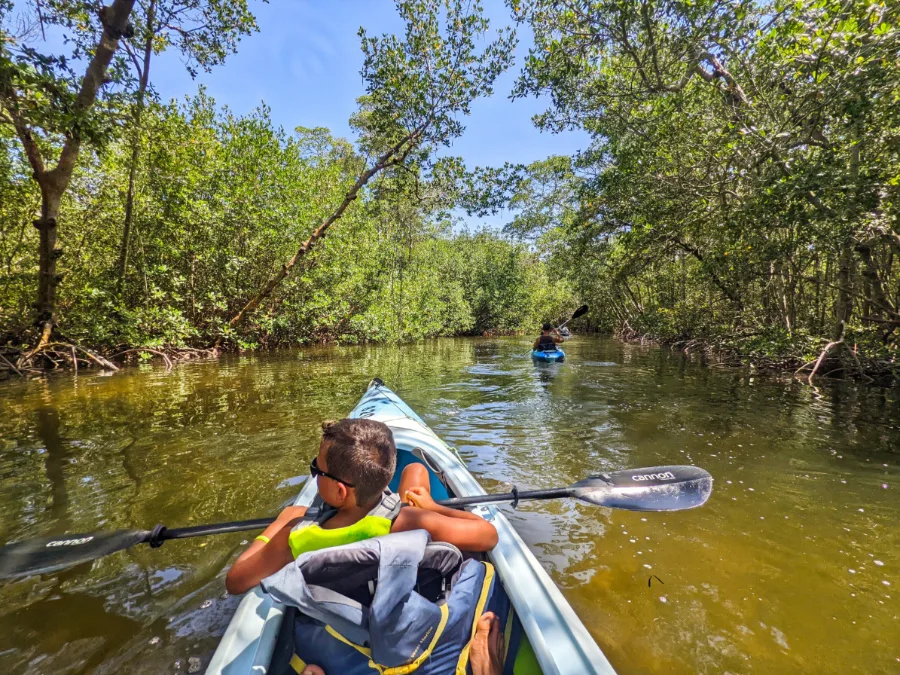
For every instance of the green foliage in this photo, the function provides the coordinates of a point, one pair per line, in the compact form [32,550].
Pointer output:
[217,203]
[205,32]
[425,80]
[220,201]
[742,176]
[17,266]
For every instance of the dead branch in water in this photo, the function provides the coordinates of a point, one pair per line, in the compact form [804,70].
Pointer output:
[11,366]
[46,349]
[836,344]
[142,350]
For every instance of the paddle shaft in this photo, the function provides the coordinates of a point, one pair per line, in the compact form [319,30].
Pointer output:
[220,528]
[454,503]
[660,488]
[515,496]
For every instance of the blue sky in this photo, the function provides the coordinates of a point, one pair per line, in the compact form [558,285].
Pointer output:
[304,63]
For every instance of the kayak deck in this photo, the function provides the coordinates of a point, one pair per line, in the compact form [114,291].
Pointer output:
[543,633]
[555,355]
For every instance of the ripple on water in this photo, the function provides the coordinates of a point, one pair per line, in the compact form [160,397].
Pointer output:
[753,580]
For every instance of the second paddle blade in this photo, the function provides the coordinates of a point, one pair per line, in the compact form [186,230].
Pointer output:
[658,488]
[49,554]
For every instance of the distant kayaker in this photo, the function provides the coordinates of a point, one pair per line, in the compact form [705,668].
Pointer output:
[548,340]
[356,461]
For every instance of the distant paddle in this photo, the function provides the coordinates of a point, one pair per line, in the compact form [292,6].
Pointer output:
[581,311]
[660,488]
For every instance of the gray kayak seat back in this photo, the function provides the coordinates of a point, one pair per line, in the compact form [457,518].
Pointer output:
[344,624]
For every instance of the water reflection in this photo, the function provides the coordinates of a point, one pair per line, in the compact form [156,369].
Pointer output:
[55,458]
[790,567]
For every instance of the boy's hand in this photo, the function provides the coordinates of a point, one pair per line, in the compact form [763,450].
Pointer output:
[421,498]
[292,513]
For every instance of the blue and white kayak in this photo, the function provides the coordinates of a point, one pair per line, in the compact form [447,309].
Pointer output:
[556,355]
[543,633]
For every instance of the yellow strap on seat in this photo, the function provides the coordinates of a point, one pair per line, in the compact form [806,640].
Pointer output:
[298,664]
[479,610]
[411,667]
[404,669]
[362,650]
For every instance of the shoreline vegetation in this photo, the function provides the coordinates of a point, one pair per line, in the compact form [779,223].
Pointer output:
[742,350]
[739,193]
[724,351]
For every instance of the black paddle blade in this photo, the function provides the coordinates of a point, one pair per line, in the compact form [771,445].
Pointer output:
[49,554]
[581,311]
[658,488]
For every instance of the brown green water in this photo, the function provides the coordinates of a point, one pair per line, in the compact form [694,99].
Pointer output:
[792,566]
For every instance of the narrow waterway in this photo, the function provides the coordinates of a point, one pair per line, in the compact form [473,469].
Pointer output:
[792,566]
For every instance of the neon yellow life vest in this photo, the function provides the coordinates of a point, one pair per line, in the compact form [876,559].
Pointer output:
[306,536]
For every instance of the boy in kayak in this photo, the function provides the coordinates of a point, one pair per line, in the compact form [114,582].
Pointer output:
[356,461]
[548,339]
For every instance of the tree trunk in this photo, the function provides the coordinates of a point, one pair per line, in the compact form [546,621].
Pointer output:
[639,308]
[53,182]
[829,275]
[782,295]
[877,301]
[844,278]
[843,305]
[48,254]
[790,284]
[817,304]
[391,157]
[136,147]
[129,215]
[694,251]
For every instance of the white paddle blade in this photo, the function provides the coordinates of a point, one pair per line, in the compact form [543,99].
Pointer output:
[658,488]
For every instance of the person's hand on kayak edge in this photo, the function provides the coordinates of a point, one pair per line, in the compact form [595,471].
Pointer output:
[420,498]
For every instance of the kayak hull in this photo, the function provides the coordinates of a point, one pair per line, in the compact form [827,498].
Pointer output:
[557,355]
[544,635]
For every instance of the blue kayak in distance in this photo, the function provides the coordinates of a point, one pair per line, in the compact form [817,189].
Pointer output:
[555,355]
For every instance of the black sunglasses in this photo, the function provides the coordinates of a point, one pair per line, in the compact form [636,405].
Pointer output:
[316,471]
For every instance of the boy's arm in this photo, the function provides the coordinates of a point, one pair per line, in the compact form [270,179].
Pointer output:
[464,530]
[263,559]
[536,343]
